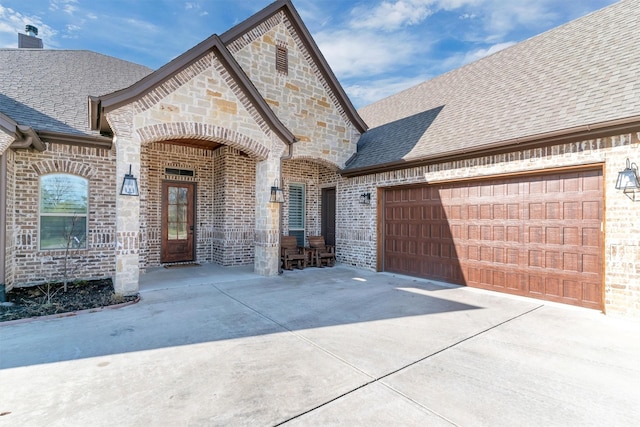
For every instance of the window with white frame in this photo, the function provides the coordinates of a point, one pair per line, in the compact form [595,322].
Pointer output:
[296,212]
[63,211]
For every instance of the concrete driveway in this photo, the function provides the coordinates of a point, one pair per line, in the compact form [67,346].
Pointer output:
[330,347]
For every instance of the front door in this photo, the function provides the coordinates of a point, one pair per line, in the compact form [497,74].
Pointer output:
[328,217]
[177,221]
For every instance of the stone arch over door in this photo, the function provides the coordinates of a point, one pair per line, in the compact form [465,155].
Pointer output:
[315,159]
[220,235]
[203,132]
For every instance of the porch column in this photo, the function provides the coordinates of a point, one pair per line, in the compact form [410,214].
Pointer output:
[127,207]
[267,237]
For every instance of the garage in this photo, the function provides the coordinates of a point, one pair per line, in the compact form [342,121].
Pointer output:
[532,235]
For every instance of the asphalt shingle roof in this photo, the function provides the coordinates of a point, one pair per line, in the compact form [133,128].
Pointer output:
[48,89]
[582,73]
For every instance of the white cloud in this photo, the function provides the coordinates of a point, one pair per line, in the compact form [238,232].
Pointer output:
[500,17]
[12,23]
[365,53]
[474,55]
[67,6]
[369,91]
[391,15]
[71,31]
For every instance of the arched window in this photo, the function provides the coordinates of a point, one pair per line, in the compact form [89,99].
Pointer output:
[63,211]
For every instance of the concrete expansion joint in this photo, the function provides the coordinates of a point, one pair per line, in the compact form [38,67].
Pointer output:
[373,379]
[402,368]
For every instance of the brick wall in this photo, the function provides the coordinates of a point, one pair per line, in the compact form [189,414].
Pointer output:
[155,159]
[31,265]
[234,189]
[10,212]
[315,176]
[356,238]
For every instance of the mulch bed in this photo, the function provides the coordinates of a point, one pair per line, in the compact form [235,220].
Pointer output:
[82,295]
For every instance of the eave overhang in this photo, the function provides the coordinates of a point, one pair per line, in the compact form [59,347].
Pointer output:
[574,134]
[100,105]
[24,137]
[305,36]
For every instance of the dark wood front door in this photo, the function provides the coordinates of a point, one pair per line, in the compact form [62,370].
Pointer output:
[328,220]
[178,200]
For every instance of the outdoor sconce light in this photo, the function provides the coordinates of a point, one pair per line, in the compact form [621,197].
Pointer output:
[129,185]
[365,199]
[628,180]
[276,193]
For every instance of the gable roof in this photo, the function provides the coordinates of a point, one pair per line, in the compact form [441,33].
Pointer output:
[100,105]
[47,90]
[305,36]
[574,79]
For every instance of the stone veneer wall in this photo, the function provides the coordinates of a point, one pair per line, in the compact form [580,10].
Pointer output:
[155,158]
[31,265]
[233,208]
[301,98]
[357,234]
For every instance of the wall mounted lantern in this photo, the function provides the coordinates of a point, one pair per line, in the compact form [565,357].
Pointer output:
[628,181]
[276,193]
[129,185]
[365,199]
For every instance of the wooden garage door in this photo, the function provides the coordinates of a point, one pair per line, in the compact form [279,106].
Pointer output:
[537,236]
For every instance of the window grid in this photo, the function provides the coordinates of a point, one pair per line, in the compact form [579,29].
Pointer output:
[63,212]
[297,212]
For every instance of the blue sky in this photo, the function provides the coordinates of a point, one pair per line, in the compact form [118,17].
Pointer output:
[375,47]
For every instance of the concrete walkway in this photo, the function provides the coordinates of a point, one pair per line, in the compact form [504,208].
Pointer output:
[331,347]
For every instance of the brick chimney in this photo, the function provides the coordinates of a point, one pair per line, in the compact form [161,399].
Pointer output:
[29,40]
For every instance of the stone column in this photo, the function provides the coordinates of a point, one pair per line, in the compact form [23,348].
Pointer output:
[127,207]
[267,239]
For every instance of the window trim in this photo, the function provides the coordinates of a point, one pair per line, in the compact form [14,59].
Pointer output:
[304,209]
[50,215]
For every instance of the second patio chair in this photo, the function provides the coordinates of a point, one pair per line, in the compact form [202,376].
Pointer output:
[323,254]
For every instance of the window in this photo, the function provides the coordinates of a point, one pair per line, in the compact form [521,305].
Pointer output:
[180,172]
[296,212]
[282,60]
[63,211]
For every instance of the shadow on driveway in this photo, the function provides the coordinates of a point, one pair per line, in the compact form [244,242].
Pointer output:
[191,314]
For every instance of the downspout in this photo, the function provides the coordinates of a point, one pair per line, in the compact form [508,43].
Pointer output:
[3,225]
[281,179]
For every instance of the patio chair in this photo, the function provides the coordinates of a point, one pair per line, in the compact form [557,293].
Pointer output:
[322,254]
[291,254]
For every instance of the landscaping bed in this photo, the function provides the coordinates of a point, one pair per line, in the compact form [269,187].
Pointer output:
[82,295]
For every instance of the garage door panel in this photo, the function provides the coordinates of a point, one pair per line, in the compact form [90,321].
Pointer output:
[591,210]
[591,293]
[513,281]
[572,289]
[552,287]
[536,236]
[571,236]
